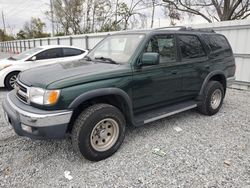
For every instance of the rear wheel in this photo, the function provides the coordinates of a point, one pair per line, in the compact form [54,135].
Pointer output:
[10,80]
[212,98]
[98,131]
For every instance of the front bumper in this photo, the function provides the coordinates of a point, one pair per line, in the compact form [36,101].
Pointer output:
[35,123]
[2,76]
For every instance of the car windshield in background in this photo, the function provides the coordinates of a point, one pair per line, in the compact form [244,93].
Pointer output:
[25,54]
[118,48]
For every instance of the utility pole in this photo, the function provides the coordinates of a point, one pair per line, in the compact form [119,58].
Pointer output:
[116,6]
[52,18]
[153,14]
[4,28]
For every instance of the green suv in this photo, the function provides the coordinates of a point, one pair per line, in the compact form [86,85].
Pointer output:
[129,78]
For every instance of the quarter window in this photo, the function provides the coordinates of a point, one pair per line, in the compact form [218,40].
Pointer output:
[190,47]
[164,45]
[217,42]
[71,52]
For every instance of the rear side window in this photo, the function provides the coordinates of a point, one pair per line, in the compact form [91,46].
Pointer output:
[71,52]
[190,47]
[217,43]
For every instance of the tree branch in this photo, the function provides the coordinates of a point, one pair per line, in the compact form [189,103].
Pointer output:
[233,8]
[187,9]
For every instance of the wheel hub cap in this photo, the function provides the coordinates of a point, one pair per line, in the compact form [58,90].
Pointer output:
[104,134]
[13,80]
[216,98]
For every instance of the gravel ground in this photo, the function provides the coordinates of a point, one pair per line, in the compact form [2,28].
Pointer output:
[206,152]
[200,151]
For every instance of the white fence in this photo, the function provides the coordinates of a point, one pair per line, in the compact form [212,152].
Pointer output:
[237,32]
[81,41]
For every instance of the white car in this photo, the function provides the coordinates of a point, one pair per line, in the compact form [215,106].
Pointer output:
[38,56]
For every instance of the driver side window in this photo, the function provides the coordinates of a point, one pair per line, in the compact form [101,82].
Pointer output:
[164,45]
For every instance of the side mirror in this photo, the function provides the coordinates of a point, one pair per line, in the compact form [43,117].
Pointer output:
[150,58]
[33,58]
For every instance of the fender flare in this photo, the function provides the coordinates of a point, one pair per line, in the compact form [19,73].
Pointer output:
[208,77]
[104,92]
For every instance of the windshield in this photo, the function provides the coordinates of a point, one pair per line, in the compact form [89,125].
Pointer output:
[118,48]
[25,54]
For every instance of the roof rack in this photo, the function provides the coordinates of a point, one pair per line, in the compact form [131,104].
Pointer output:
[171,27]
[183,28]
[207,30]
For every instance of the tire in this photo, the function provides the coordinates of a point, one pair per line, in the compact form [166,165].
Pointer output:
[98,132]
[10,80]
[212,98]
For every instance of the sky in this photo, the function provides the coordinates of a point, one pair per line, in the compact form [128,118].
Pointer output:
[17,12]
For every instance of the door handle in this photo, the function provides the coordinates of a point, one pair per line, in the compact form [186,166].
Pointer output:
[174,72]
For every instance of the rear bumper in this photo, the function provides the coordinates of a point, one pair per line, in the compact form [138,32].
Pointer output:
[35,123]
[230,80]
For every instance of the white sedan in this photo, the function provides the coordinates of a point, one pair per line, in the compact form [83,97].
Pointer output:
[38,56]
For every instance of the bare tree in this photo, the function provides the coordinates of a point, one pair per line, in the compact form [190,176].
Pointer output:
[210,10]
[101,14]
[127,12]
[68,15]
[34,28]
[84,16]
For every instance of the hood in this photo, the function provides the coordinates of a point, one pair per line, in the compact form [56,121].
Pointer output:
[65,74]
[5,62]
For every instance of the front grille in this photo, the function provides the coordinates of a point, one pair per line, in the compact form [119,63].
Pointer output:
[22,98]
[22,87]
[21,92]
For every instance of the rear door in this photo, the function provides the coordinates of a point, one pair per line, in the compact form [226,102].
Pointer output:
[221,55]
[194,63]
[71,54]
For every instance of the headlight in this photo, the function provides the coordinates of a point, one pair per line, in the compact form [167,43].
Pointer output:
[3,67]
[42,96]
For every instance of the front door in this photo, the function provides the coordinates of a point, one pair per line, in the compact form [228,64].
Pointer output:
[46,57]
[157,85]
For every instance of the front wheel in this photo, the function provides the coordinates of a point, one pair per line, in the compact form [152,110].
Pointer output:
[98,131]
[212,98]
[10,80]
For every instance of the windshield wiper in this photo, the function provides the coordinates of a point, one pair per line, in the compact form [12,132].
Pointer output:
[87,58]
[109,60]
[11,58]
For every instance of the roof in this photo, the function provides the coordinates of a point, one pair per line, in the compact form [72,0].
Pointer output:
[167,29]
[58,46]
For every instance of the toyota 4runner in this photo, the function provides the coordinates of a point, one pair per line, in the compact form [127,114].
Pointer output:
[129,78]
